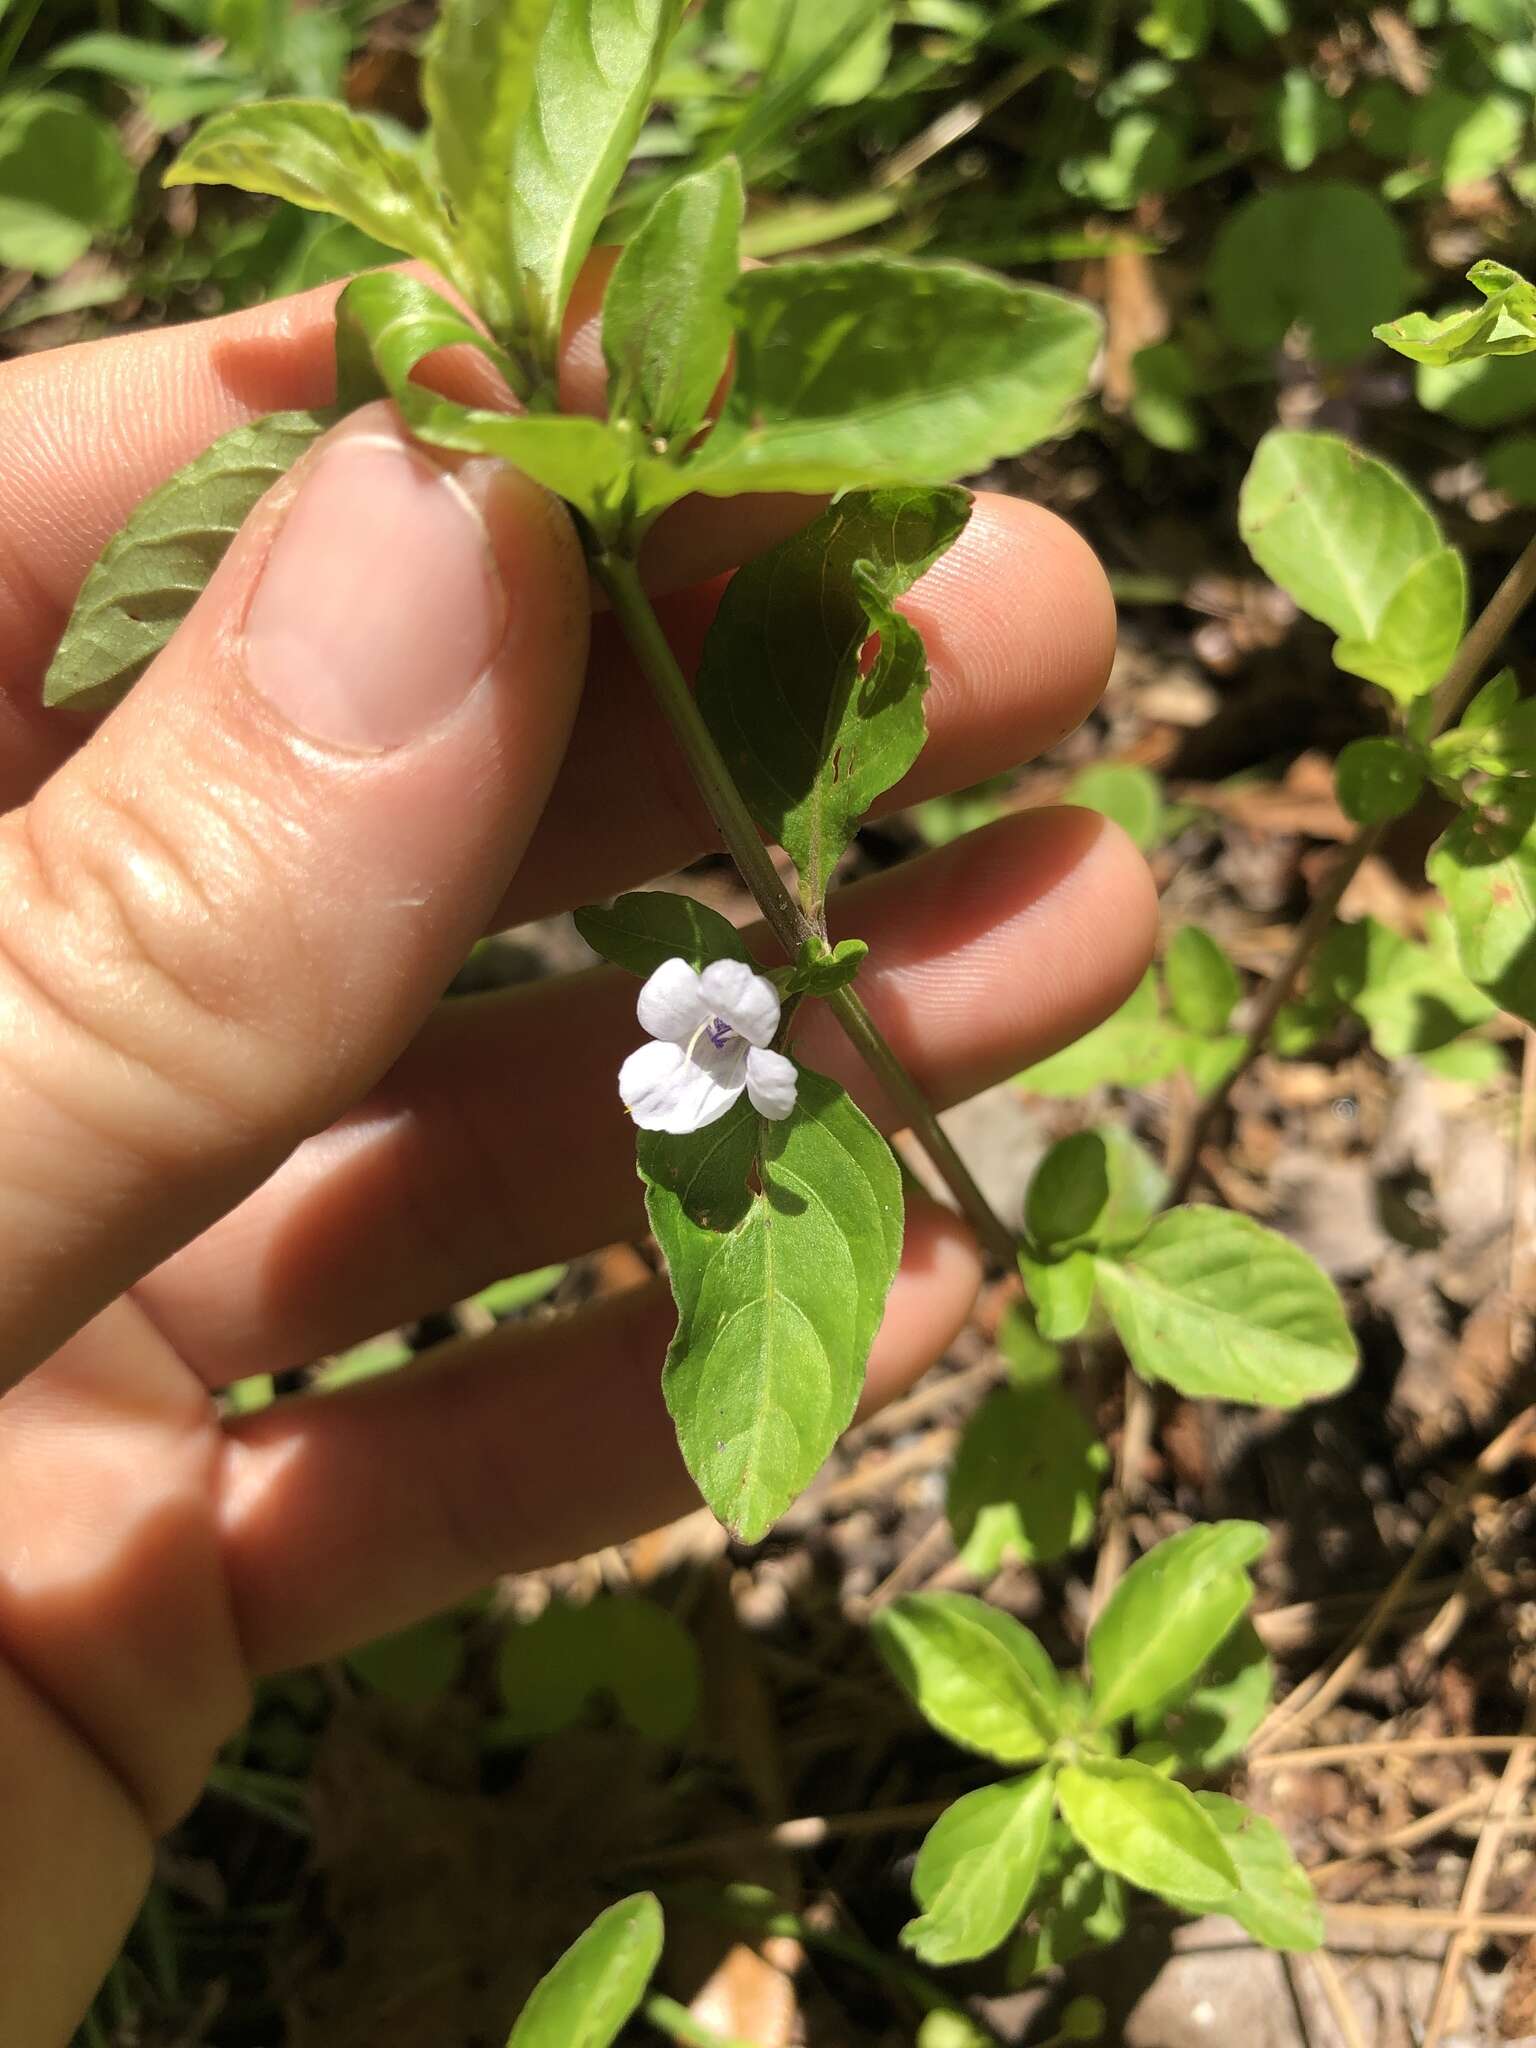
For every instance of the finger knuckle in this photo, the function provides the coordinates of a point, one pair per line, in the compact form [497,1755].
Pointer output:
[167,946]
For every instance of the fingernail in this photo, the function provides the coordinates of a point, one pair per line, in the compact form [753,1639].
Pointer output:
[380,606]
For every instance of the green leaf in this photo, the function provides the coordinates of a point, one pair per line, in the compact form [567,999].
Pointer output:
[1060,1292]
[779,1290]
[1203,985]
[1496,737]
[1179,28]
[821,970]
[870,370]
[1504,325]
[1096,1189]
[667,319]
[1472,1061]
[1128,1050]
[1029,1356]
[632,1650]
[1485,867]
[1148,1830]
[592,83]
[510,1297]
[477,79]
[1479,390]
[64,182]
[1467,137]
[1132,796]
[1307,121]
[323,157]
[1085,1909]
[810,738]
[1418,633]
[639,931]
[1274,1900]
[132,61]
[844,44]
[1168,1614]
[1356,547]
[416,1666]
[151,572]
[1025,1479]
[598,1983]
[399,322]
[1413,998]
[975,1674]
[1510,466]
[1208,1723]
[1345,269]
[1220,1307]
[978,1868]
[1378,779]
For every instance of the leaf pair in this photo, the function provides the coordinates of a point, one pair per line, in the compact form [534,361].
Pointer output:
[861,370]
[1210,1302]
[983,1680]
[534,111]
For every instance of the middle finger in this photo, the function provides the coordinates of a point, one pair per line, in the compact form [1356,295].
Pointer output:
[497,1144]
[1019,626]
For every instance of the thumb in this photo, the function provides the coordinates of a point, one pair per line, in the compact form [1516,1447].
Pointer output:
[228,913]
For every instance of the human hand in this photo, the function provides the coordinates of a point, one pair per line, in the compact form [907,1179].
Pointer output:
[237,1131]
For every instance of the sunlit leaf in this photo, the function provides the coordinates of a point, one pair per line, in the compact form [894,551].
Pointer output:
[476,83]
[1132,796]
[1274,1899]
[1220,1307]
[666,313]
[977,1869]
[1168,1614]
[597,1984]
[1148,1830]
[1357,548]
[780,1288]
[1208,1723]
[593,76]
[399,321]
[870,370]
[325,158]
[975,1674]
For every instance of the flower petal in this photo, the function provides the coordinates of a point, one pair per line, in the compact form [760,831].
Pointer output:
[771,1083]
[672,1004]
[664,1090]
[748,1002]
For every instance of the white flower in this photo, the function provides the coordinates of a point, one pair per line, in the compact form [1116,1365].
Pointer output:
[710,1035]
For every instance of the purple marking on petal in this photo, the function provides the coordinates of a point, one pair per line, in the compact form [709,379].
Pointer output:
[719,1033]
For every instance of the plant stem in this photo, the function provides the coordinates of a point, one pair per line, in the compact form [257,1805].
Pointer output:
[1451,695]
[678,2024]
[789,924]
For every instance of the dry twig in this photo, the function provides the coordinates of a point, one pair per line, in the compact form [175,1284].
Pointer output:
[1518,1772]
